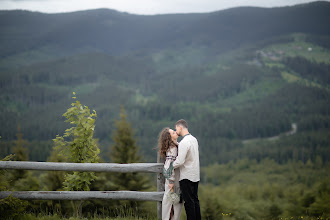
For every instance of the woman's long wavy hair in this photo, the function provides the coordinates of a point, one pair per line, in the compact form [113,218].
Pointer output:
[165,141]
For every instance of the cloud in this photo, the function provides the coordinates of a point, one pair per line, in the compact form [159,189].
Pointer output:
[141,6]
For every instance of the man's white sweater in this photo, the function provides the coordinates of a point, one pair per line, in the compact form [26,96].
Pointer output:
[188,159]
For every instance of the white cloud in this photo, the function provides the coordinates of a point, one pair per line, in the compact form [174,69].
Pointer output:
[141,6]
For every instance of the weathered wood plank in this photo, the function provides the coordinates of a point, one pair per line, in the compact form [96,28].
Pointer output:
[84,195]
[89,167]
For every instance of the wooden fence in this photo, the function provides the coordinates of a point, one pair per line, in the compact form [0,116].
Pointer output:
[90,167]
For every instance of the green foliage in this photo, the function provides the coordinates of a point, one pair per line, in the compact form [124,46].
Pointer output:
[274,212]
[3,179]
[211,208]
[125,150]
[317,72]
[129,216]
[20,180]
[19,149]
[53,180]
[21,154]
[319,203]
[11,207]
[266,190]
[300,46]
[81,147]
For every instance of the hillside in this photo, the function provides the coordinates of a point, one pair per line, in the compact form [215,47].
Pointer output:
[118,33]
[237,74]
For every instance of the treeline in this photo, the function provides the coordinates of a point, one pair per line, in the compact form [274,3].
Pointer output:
[196,86]
[303,146]
[322,41]
[317,72]
[273,115]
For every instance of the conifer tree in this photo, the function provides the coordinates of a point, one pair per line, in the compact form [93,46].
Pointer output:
[10,207]
[54,179]
[21,154]
[22,180]
[125,150]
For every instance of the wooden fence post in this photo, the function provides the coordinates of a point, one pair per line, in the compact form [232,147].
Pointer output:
[160,186]
[91,167]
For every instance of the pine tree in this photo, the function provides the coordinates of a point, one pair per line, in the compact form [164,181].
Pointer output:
[22,180]
[53,180]
[21,154]
[10,207]
[125,150]
[20,150]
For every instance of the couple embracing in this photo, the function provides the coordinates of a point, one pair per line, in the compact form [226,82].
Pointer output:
[181,172]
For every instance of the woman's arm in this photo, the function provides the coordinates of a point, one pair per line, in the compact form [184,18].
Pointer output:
[168,170]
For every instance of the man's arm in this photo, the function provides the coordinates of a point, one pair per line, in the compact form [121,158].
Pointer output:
[180,159]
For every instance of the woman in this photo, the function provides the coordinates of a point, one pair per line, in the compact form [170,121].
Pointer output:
[168,148]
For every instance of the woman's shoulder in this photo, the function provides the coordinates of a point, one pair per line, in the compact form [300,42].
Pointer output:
[173,148]
[174,144]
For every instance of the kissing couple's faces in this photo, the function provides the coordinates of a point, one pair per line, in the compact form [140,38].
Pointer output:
[178,129]
[173,134]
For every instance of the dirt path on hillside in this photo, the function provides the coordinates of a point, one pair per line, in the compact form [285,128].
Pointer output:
[293,130]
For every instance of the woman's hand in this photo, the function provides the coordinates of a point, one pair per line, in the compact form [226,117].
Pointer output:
[171,186]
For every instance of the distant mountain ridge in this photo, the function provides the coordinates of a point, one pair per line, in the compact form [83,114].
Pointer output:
[117,33]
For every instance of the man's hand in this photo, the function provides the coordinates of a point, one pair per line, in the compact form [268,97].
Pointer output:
[171,186]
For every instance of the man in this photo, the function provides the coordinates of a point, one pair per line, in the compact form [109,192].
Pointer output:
[188,163]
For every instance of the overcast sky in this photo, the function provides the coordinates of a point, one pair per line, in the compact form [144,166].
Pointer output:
[141,6]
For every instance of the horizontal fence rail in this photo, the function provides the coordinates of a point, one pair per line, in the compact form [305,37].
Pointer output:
[88,167]
[84,195]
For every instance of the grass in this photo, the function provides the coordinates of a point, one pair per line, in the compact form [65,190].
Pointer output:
[170,59]
[299,47]
[142,99]
[58,217]
[85,88]
[254,93]
[291,78]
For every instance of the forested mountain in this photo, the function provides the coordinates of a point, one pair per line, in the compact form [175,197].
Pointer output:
[119,33]
[234,75]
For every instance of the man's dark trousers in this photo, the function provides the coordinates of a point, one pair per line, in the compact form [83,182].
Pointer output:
[189,191]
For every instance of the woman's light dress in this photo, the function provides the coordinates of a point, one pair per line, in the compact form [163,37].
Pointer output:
[171,175]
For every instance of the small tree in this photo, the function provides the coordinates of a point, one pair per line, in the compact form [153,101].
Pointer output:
[22,180]
[78,146]
[125,150]
[21,154]
[10,207]
[53,180]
